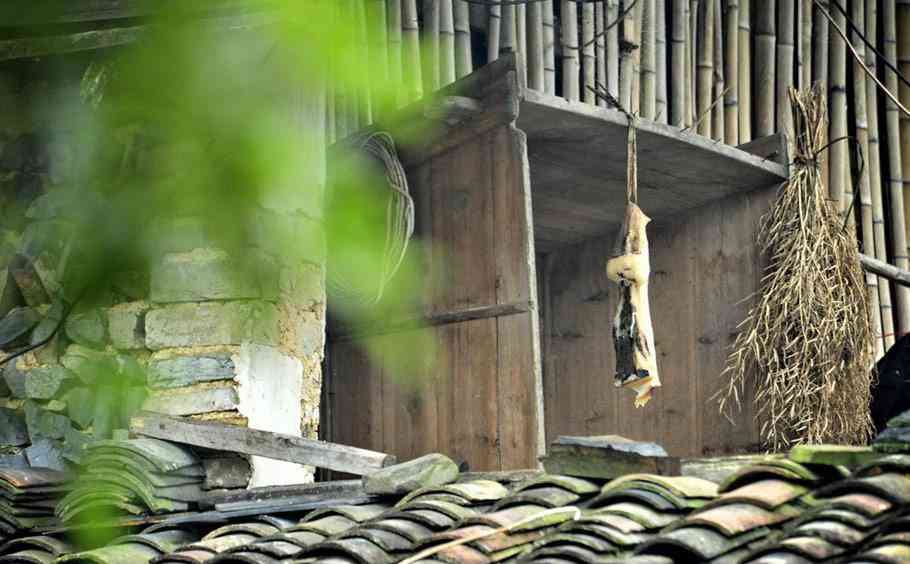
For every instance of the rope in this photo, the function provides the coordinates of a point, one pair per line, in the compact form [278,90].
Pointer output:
[632,164]
[399,220]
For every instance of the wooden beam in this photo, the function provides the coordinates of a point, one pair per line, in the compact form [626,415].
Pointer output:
[44,12]
[442,318]
[891,272]
[260,443]
[41,46]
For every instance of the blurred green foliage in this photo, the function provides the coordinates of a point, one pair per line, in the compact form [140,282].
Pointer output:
[225,127]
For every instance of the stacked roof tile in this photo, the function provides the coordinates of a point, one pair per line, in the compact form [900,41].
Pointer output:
[27,498]
[134,477]
[778,511]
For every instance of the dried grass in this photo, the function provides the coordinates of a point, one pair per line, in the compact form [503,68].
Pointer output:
[808,343]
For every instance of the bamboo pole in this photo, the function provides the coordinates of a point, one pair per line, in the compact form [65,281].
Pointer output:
[861,131]
[446,43]
[705,83]
[549,48]
[692,66]
[411,54]
[903,58]
[463,58]
[508,33]
[613,48]
[784,76]
[431,13]
[569,37]
[837,102]
[330,125]
[895,169]
[798,42]
[648,55]
[379,55]
[875,181]
[638,12]
[627,68]
[731,73]
[494,27]
[661,54]
[717,113]
[679,22]
[394,49]
[765,39]
[588,60]
[744,72]
[535,46]
[600,49]
[805,80]
[820,72]
[364,108]
[521,34]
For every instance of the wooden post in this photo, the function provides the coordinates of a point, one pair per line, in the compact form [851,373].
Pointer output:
[588,60]
[744,73]
[463,58]
[705,85]
[648,56]
[661,54]
[535,46]
[765,39]
[549,48]
[678,89]
[784,75]
[861,132]
[873,161]
[895,169]
[570,46]
[411,55]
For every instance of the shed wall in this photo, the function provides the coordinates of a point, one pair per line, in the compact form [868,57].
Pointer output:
[475,401]
[704,267]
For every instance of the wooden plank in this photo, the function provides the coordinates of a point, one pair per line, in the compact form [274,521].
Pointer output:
[577,154]
[521,427]
[438,318]
[771,147]
[260,443]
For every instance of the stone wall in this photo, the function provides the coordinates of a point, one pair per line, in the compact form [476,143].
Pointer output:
[202,333]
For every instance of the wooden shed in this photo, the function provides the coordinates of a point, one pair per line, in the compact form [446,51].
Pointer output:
[523,193]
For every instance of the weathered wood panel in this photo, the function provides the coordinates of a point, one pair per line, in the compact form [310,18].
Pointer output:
[704,268]
[476,397]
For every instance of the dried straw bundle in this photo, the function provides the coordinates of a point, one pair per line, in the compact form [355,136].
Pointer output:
[808,341]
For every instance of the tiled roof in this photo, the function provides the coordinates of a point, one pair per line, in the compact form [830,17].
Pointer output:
[775,512]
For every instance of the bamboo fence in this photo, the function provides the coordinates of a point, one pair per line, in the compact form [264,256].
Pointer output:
[723,64]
